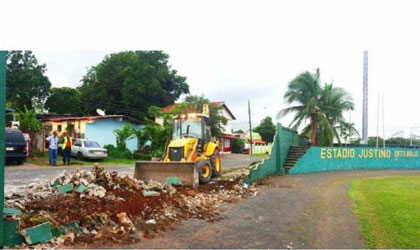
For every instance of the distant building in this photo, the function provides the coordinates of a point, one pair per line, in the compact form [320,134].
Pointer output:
[225,141]
[98,128]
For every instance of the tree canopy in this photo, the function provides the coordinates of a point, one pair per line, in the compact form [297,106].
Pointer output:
[130,82]
[266,129]
[26,82]
[319,108]
[64,101]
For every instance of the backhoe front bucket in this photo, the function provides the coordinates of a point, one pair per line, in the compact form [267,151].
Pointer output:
[159,171]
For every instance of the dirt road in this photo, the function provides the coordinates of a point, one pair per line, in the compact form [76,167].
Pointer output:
[295,211]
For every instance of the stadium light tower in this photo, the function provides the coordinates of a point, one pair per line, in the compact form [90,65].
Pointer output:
[365,98]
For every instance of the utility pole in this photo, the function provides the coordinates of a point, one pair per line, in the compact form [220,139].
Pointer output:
[250,126]
[377,122]
[365,99]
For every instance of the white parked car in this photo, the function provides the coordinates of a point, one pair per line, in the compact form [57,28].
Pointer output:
[88,149]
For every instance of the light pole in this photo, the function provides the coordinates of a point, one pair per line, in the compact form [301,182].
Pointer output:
[412,135]
[250,124]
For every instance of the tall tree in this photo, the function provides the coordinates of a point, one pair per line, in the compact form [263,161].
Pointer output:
[319,108]
[266,129]
[26,83]
[64,101]
[130,82]
[217,120]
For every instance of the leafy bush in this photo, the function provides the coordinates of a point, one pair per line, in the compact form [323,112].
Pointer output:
[118,152]
[237,145]
[141,156]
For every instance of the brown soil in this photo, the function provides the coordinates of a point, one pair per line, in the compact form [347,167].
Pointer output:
[65,208]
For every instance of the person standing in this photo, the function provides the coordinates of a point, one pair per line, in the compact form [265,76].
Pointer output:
[52,148]
[67,145]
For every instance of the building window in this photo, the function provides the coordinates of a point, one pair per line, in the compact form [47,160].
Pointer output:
[59,128]
[227,143]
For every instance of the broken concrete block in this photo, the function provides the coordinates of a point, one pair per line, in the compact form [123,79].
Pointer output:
[11,211]
[11,235]
[173,180]
[171,189]
[41,194]
[154,185]
[56,182]
[152,221]
[65,188]
[95,190]
[81,188]
[150,193]
[132,182]
[125,221]
[39,233]
[84,182]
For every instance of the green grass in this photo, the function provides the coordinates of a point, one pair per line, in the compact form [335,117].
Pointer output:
[388,209]
[43,161]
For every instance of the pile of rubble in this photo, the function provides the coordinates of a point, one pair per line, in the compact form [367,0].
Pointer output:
[93,208]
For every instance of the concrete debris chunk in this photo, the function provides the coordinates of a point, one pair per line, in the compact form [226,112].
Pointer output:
[170,189]
[173,181]
[65,188]
[154,186]
[96,190]
[81,188]
[37,234]
[150,193]
[152,221]
[125,221]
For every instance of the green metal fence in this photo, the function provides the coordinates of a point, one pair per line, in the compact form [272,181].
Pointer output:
[283,139]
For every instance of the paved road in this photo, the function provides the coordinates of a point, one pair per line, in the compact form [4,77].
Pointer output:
[295,211]
[18,176]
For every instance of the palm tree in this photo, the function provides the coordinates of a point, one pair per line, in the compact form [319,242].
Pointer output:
[126,133]
[29,123]
[320,109]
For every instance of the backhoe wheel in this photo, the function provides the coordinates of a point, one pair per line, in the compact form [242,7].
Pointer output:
[216,164]
[204,171]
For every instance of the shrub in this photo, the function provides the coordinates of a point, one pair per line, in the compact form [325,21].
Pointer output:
[237,145]
[141,156]
[118,152]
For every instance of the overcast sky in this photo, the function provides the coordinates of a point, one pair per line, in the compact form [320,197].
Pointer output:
[233,51]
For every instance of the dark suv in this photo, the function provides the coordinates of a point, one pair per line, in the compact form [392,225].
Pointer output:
[15,146]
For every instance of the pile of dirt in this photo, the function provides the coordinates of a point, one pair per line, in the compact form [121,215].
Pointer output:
[96,208]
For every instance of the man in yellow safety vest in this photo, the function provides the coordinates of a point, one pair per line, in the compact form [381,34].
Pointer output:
[67,145]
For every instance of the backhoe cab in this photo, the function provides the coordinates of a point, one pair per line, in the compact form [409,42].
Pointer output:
[192,155]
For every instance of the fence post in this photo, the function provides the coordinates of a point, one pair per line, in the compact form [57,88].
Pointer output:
[2,140]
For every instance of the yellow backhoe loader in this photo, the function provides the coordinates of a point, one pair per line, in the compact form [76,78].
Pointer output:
[192,156]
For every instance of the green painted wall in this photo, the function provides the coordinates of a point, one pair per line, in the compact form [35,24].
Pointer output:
[2,149]
[283,139]
[319,159]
